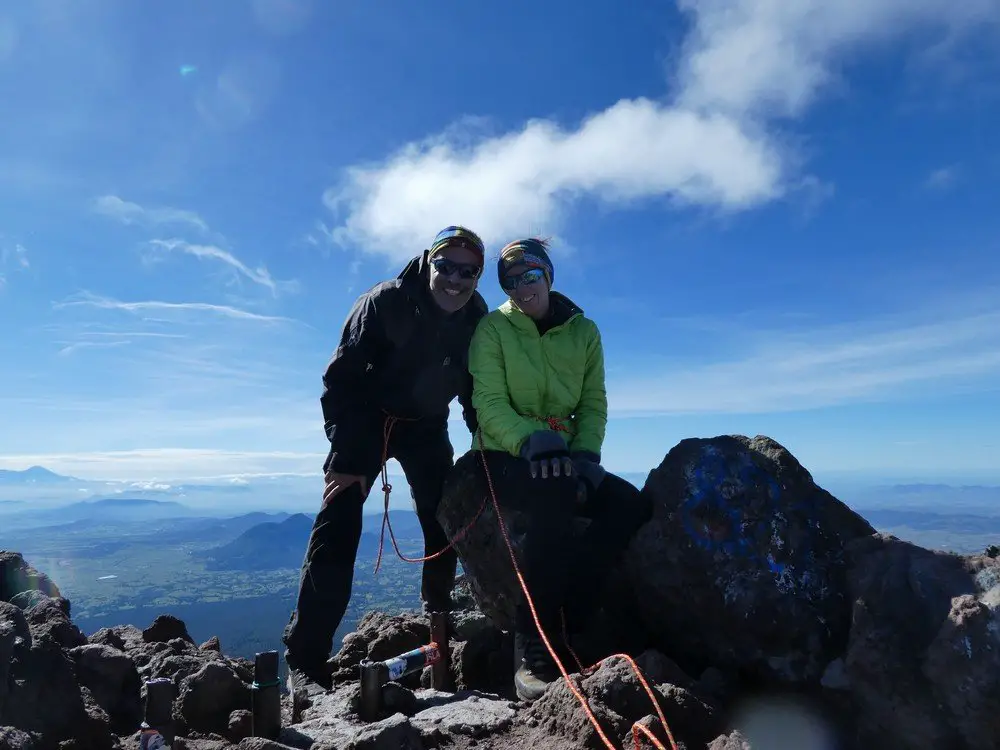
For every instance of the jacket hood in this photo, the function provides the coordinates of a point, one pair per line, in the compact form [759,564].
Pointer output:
[415,272]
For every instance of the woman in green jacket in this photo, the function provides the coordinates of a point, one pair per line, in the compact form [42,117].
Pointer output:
[537,365]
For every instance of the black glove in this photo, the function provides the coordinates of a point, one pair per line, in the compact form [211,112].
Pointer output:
[546,450]
[588,467]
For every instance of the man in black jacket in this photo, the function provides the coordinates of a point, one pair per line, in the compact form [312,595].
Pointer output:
[403,355]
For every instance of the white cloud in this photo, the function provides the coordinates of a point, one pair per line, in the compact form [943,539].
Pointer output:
[211,252]
[93,300]
[942,179]
[714,145]
[15,256]
[132,213]
[826,367]
[774,57]
[633,150]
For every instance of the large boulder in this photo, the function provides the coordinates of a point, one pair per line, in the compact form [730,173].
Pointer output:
[743,565]
[923,661]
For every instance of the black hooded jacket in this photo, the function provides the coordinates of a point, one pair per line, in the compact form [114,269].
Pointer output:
[400,354]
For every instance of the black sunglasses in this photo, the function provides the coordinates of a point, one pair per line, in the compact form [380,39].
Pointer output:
[447,267]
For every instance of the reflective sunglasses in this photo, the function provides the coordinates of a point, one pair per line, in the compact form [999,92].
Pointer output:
[447,267]
[531,276]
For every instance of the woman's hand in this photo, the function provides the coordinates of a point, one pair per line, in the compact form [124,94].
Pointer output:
[545,451]
[588,468]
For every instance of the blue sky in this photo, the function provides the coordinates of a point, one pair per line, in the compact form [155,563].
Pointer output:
[782,216]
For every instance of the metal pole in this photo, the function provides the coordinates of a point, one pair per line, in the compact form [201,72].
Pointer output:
[374,675]
[157,728]
[266,696]
[441,669]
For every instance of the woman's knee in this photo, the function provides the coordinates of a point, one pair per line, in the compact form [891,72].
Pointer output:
[629,501]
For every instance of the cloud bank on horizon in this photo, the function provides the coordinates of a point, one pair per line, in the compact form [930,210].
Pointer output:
[178,251]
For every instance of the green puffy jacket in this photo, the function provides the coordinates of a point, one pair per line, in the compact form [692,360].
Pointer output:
[521,377]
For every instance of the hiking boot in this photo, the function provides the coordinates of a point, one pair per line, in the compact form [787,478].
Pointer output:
[535,668]
[307,680]
[304,687]
[312,683]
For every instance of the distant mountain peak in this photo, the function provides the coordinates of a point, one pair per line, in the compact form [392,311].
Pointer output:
[32,475]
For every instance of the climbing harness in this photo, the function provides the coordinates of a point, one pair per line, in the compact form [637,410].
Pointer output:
[637,728]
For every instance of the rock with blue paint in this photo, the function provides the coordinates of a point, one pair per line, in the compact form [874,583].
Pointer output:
[743,566]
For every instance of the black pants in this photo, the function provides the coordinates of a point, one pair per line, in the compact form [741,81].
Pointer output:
[425,452]
[562,571]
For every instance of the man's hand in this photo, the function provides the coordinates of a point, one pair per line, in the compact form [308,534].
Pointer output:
[337,483]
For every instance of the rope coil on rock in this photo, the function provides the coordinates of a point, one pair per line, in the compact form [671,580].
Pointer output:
[637,728]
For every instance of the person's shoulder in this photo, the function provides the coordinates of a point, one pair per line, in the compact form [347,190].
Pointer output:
[496,318]
[585,326]
[488,324]
[477,306]
[382,293]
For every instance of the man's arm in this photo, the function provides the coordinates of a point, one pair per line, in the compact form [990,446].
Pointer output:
[476,312]
[591,414]
[465,400]
[489,395]
[348,411]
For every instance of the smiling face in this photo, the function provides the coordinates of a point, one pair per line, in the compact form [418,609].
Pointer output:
[531,295]
[454,276]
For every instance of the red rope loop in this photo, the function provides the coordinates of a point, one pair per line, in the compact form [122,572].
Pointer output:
[390,422]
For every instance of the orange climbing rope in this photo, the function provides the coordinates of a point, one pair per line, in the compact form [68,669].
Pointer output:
[637,728]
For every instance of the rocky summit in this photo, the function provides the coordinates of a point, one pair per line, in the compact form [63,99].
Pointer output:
[754,610]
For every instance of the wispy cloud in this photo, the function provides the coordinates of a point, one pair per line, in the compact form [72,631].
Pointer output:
[942,179]
[784,372]
[69,347]
[717,144]
[92,300]
[12,256]
[112,339]
[211,252]
[132,213]
[135,334]
[16,255]
[128,212]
